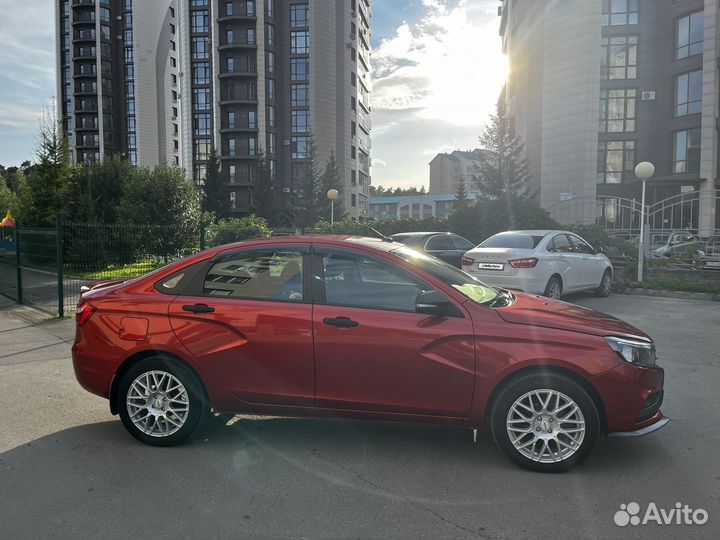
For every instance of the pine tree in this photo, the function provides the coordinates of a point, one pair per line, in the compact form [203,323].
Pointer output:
[307,212]
[215,194]
[266,197]
[504,173]
[44,192]
[330,179]
[461,194]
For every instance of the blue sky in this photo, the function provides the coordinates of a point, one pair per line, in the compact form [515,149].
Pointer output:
[437,66]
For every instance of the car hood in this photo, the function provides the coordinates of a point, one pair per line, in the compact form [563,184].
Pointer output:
[538,311]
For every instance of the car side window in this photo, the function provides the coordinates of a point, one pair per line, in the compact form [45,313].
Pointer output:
[264,275]
[581,246]
[461,243]
[356,280]
[440,243]
[560,244]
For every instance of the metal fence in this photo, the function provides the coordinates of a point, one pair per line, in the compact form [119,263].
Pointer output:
[46,268]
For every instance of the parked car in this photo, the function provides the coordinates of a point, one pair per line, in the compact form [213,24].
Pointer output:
[710,253]
[551,263]
[679,243]
[362,328]
[448,247]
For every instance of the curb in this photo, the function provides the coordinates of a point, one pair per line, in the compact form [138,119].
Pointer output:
[662,293]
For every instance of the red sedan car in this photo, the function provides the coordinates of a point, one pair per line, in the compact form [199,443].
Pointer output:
[362,328]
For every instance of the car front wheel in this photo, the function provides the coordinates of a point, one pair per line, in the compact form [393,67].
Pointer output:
[545,422]
[161,402]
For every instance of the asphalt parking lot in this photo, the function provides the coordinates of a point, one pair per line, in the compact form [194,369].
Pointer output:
[68,469]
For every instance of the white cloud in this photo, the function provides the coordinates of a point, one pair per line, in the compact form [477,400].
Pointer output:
[22,120]
[449,65]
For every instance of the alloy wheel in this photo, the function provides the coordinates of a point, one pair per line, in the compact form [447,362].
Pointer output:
[545,426]
[157,403]
[554,290]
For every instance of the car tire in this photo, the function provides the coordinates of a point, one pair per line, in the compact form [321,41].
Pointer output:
[554,288]
[605,287]
[162,402]
[542,440]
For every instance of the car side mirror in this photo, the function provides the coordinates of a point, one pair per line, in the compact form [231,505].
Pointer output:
[599,250]
[432,303]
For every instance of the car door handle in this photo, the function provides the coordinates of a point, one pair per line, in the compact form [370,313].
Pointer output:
[199,308]
[342,322]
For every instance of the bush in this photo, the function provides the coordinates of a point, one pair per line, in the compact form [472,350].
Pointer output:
[227,231]
[386,227]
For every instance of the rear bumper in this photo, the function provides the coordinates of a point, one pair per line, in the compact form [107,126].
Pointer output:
[526,280]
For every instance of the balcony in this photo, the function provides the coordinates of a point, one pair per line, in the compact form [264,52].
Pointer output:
[237,45]
[84,35]
[238,73]
[236,17]
[239,129]
[84,17]
[82,3]
[236,156]
[238,101]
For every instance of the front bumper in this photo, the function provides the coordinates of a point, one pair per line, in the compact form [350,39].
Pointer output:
[659,424]
[632,396]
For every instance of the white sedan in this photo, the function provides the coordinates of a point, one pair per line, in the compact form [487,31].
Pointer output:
[551,263]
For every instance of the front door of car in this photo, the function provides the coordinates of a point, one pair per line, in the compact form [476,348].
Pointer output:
[442,247]
[373,352]
[247,317]
[590,265]
[564,263]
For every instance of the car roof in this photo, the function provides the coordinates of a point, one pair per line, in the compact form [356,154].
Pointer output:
[336,240]
[538,232]
[420,234]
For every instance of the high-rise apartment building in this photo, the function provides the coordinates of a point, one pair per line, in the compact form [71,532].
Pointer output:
[596,86]
[447,170]
[168,81]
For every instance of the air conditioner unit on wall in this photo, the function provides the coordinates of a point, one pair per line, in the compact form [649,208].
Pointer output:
[648,95]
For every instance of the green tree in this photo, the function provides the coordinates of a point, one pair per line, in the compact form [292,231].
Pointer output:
[44,194]
[266,192]
[8,201]
[227,231]
[461,195]
[504,173]
[96,190]
[215,194]
[307,211]
[330,179]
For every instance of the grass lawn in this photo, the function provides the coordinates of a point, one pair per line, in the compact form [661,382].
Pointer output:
[113,272]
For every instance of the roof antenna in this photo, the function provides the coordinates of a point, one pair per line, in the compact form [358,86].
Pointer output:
[376,232]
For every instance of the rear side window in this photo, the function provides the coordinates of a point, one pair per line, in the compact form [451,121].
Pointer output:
[440,242]
[461,243]
[512,241]
[560,244]
[415,242]
[267,275]
[581,246]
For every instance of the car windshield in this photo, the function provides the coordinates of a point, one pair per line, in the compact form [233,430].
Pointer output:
[471,287]
[512,240]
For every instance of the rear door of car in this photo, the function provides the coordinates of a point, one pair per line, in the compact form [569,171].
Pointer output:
[247,316]
[590,265]
[560,252]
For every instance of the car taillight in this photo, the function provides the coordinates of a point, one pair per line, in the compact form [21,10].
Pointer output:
[524,263]
[467,261]
[83,314]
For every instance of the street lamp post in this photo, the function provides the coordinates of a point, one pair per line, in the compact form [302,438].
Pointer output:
[332,194]
[643,171]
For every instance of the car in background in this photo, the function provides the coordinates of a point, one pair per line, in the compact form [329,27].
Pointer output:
[550,263]
[448,247]
[362,328]
[679,244]
[710,253]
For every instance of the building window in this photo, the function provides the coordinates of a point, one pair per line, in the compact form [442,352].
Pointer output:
[270,34]
[201,124]
[270,8]
[172,14]
[231,119]
[252,146]
[300,121]
[201,73]
[619,12]
[300,95]
[298,173]
[202,150]
[271,116]
[271,143]
[353,201]
[618,59]
[300,42]
[615,158]
[299,15]
[232,173]
[201,99]
[271,88]
[200,48]
[251,36]
[250,8]
[232,147]
[688,93]
[300,147]
[270,62]
[299,69]
[686,151]
[252,119]
[689,35]
[228,9]
[617,110]
[230,64]
[229,37]
[233,201]
[172,28]
[199,21]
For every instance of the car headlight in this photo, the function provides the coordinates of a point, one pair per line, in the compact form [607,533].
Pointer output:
[634,351]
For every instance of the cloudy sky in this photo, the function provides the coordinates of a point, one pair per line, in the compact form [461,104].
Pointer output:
[437,65]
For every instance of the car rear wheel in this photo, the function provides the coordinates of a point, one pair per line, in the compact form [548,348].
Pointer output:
[605,286]
[545,422]
[553,289]
[161,402]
